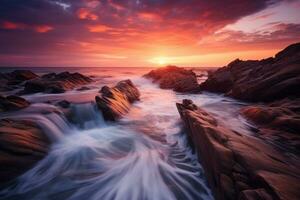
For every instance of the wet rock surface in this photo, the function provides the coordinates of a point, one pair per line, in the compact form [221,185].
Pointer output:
[115,102]
[55,83]
[29,82]
[11,80]
[259,80]
[176,78]
[12,103]
[277,122]
[239,166]
[22,144]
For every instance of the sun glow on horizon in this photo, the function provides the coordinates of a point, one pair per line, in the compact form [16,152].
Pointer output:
[160,60]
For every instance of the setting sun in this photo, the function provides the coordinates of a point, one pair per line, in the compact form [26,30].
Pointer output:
[160,60]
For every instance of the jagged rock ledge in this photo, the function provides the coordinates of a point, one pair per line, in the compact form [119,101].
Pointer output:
[176,78]
[277,122]
[115,102]
[239,166]
[29,82]
[259,80]
[12,80]
[55,83]
[22,144]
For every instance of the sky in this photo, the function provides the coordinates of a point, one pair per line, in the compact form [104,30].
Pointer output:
[144,33]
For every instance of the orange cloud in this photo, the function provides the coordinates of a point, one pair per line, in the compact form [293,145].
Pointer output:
[98,28]
[84,13]
[43,28]
[148,16]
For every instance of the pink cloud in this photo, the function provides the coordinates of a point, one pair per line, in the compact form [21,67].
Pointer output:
[84,13]
[43,28]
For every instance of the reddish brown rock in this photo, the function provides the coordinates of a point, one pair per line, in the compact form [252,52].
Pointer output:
[11,103]
[55,83]
[278,122]
[22,144]
[115,102]
[176,78]
[259,80]
[10,81]
[239,166]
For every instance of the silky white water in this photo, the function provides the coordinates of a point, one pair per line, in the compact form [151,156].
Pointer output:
[144,156]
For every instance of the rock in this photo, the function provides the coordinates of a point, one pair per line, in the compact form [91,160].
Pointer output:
[55,83]
[278,122]
[64,104]
[9,81]
[259,80]
[258,194]
[22,145]
[12,103]
[18,76]
[237,165]
[115,102]
[176,78]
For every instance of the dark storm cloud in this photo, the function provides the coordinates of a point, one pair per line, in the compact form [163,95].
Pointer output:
[34,12]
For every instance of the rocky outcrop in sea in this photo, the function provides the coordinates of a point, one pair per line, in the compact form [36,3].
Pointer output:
[176,78]
[115,102]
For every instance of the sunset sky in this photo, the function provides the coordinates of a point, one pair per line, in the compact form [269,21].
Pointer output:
[140,33]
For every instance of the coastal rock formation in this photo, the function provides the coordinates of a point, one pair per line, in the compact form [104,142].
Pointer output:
[176,78]
[278,122]
[9,81]
[115,102]
[55,83]
[11,103]
[239,166]
[259,80]
[22,145]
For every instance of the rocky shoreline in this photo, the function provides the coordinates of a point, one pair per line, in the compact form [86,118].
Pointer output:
[239,166]
[264,166]
[263,80]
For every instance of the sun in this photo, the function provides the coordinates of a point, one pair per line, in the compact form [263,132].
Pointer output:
[161,61]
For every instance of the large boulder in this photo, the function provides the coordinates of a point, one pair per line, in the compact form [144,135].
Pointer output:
[237,165]
[12,103]
[55,83]
[176,78]
[22,145]
[259,80]
[115,102]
